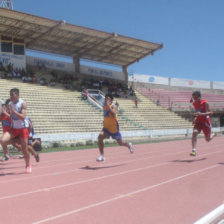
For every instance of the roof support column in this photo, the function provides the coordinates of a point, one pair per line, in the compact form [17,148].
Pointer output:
[76,62]
[125,72]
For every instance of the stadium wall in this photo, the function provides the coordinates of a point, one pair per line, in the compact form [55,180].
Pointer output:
[69,67]
[151,134]
[158,80]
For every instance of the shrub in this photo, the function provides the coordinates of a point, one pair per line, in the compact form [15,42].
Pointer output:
[89,142]
[80,144]
[56,144]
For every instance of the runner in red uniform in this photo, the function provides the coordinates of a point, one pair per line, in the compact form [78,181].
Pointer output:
[6,125]
[202,120]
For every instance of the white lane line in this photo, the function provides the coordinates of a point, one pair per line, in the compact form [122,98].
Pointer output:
[88,180]
[82,181]
[124,195]
[111,164]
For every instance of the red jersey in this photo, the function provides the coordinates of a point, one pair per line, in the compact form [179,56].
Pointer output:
[201,107]
[6,122]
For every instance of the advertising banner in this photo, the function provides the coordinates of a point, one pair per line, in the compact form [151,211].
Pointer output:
[102,72]
[149,79]
[190,83]
[18,61]
[51,64]
[218,85]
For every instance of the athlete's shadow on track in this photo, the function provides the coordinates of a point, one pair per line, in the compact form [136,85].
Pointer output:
[100,167]
[10,174]
[188,160]
[9,168]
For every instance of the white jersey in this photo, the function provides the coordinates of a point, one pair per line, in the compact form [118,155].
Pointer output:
[17,123]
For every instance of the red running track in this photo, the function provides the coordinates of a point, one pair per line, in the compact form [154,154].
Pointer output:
[160,183]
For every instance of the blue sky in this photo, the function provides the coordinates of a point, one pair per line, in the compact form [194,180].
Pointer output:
[192,31]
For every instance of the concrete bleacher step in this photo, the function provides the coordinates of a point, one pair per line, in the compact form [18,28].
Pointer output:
[151,116]
[57,110]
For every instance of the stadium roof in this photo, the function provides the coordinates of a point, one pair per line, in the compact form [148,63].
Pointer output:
[59,37]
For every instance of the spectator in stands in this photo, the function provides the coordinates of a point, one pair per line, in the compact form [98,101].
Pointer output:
[52,82]
[29,79]
[85,94]
[24,79]
[117,105]
[34,79]
[43,81]
[5,76]
[10,67]
[67,85]
[132,92]
[136,102]
[18,73]
[14,75]
[125,93]
[202,120]
[110,127]
[1,67]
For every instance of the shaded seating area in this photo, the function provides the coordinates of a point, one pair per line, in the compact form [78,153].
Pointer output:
[56,110]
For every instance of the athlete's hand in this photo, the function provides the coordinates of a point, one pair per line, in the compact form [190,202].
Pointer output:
[3,109]
[198,114]
[108,102]
[12,108]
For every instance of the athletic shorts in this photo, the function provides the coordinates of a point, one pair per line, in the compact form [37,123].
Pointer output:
[203,126]
[116,136]
[21,133]
[5,129]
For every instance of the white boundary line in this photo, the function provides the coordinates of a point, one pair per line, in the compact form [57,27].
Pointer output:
[56,173]
[212,216]
[92,179]
[124,195]
[82,181]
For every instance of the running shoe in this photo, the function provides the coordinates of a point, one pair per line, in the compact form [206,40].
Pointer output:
[193,153]
[100,158]
[28,169]
[4,158]
[37,158]
[131,149]
[21,157]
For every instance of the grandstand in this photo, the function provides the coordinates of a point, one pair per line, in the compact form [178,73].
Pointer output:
[56,110]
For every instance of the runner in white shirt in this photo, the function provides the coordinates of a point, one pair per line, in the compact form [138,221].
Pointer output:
[17,109]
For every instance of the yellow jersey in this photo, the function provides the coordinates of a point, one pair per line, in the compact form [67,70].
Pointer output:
[110,121]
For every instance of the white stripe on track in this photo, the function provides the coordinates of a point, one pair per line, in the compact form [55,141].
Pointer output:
[88,180]
[111,164]
[125,195]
